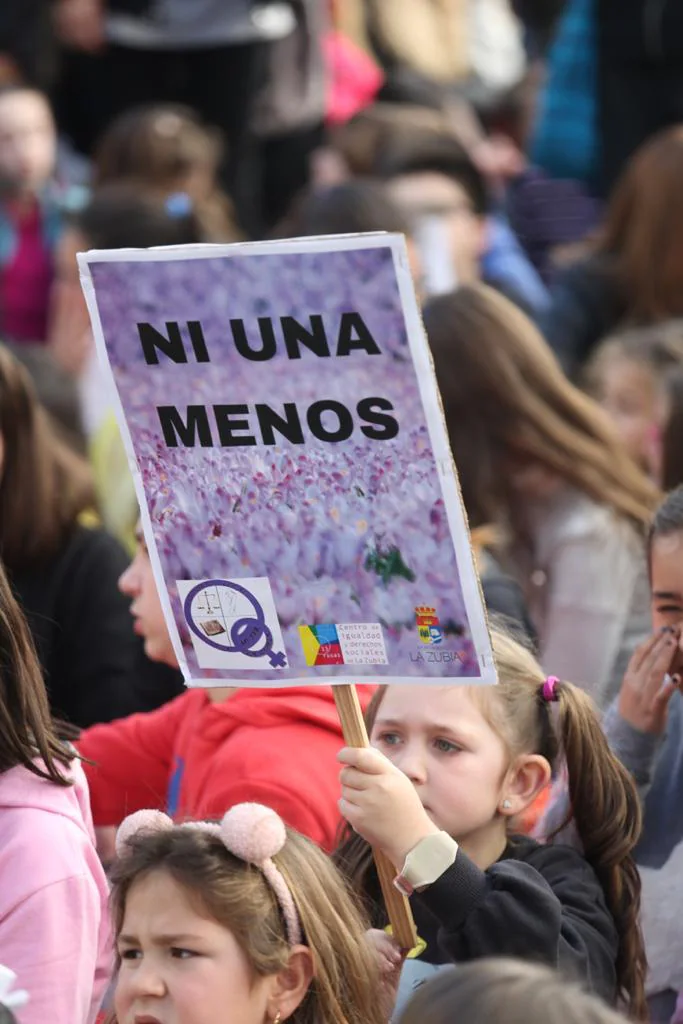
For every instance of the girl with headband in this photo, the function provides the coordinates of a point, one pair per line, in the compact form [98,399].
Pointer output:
[452,770]
[244,921]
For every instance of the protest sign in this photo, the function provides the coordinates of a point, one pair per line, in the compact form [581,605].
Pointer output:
[298,493]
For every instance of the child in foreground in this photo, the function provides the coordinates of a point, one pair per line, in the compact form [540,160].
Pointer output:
[505,992]
[243,920]
[451,769]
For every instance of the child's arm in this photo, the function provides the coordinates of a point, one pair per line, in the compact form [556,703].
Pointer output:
[548,907]
[133,760]
[545,905]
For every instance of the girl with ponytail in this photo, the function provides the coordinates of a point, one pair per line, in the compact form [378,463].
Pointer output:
[449,772]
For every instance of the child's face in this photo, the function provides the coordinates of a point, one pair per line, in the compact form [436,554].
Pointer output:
[179,966]
[440,739]
[138,583]
[27,141]
[667,587]
[629,397]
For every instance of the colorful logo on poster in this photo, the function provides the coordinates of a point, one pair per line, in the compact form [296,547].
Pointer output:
[321,644]
[428,628]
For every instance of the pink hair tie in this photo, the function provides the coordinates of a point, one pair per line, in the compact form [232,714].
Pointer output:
[251,832]
[549,689]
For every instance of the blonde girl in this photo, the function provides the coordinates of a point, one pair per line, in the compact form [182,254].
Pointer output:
[450,770]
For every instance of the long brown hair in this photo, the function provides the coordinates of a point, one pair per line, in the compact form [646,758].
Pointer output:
[504,992]
[506,401]
[604,802]
[643,233]
[26,730]
[346,986]
[162,146]
[44,485]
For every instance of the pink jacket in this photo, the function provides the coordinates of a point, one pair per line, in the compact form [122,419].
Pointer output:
[54,925]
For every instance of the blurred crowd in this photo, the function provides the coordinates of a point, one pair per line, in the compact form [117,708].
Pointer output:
[531,153]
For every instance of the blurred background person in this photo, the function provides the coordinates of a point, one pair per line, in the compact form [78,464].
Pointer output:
[62,567]
[540,460]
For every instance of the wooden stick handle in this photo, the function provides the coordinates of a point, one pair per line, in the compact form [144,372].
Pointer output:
[398,908]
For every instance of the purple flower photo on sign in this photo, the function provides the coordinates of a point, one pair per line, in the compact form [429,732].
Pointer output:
[298,493]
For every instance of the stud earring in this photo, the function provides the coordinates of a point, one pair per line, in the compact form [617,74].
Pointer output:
[507,804]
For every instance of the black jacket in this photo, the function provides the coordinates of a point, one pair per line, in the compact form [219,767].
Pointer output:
[538,903]
[640,60]
[94,665]
[585,306]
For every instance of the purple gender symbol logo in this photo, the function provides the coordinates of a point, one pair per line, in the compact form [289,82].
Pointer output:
[245,633]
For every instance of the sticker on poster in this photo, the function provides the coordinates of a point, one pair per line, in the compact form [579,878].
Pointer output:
[343,643]
[233,623]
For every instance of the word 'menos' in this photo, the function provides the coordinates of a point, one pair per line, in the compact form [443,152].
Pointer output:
[241,425]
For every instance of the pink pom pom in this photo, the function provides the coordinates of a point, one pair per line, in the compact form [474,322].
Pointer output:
[141,821]
[253,833]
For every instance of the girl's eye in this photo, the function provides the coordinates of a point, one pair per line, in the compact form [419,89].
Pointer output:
[389,739]
[182,954]
[130,954]
[446,746]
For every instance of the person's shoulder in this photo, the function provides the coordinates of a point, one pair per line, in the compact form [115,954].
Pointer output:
[554,861]
[38,816]
[592,272]
[90,541]
[90,553]
[574,515]
[283,751]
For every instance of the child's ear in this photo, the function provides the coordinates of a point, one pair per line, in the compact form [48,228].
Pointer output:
[526,777]
[291,984]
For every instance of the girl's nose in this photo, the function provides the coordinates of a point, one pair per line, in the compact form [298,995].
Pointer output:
[412,763]
[147,980]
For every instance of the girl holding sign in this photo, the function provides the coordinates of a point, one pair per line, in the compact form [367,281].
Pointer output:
[451,769]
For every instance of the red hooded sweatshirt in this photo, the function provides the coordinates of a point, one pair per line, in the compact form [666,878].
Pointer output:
[195,759]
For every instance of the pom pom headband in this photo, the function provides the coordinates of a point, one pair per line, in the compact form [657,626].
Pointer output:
[251,832]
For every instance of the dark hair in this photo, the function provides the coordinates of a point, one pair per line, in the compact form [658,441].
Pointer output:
[26,729]
[504,992]
[351,208]
[345,988]
[363,139]
[44,485]
[157,143]
[603,799]
[645,217]
[56,390]
[668,518]
[672,434]
[126,215]
[437,153]
[159,146]
[506,399]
